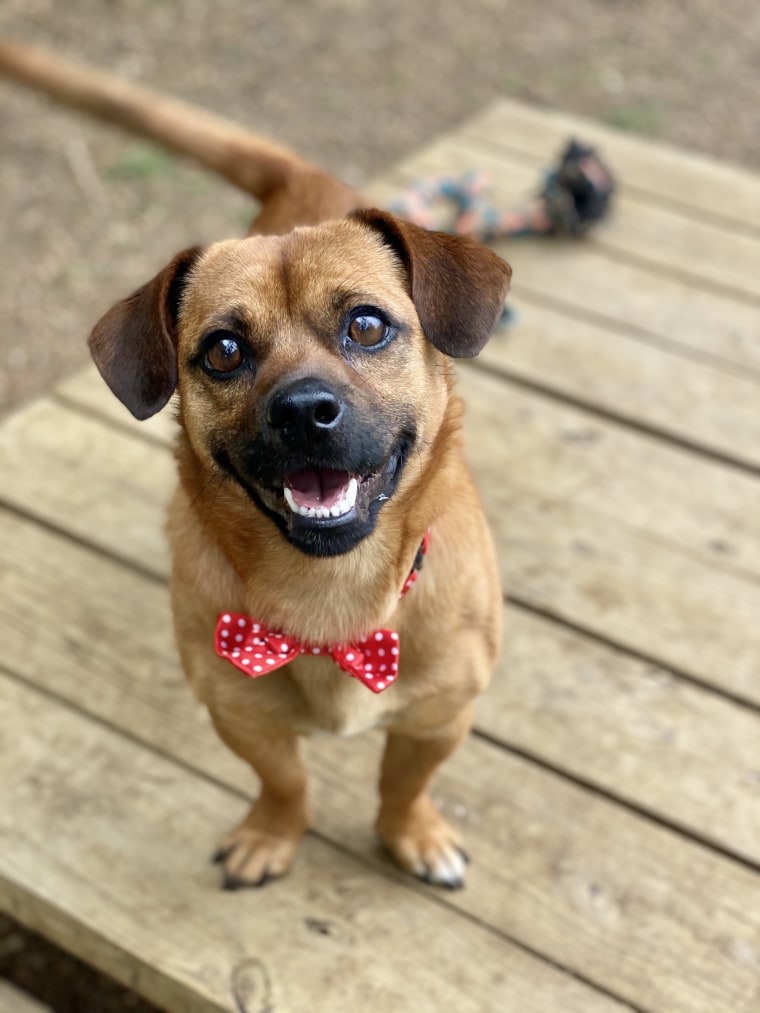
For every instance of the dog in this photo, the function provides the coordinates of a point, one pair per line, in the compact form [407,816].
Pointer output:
[332,567]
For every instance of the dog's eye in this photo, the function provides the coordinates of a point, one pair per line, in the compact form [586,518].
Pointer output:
[367,329]
[223,354]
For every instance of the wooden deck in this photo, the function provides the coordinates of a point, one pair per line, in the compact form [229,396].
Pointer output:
[610,795]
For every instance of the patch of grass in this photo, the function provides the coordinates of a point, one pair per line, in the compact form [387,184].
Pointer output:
[514,83]
[141,161]
[242,218]
[399,79]
[71,275]
[638,117]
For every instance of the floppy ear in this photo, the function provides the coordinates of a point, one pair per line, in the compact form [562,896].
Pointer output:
[135,344]
[458,286]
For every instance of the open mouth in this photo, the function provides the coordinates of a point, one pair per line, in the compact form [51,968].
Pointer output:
[324,511]
[325,494]
[310,492]
[327,498]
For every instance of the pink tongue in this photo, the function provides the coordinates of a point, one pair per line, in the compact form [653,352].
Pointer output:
[312,488]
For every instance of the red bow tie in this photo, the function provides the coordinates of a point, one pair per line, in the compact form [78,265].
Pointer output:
[254,649]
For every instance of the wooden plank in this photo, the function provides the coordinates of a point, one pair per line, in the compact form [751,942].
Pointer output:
[629,918]
[629,588]
[630,728]
[522,441]
[641,571]
[657,236]
[638,910]
[585,279]
[608,720]
[698,185]
[589,884]
[93,471]
[641,384]
[634,302]
[101,853]
[13,1000]
[690,249]
[87,391]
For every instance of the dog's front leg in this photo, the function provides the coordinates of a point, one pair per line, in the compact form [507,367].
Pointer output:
[263,846]
[408,822]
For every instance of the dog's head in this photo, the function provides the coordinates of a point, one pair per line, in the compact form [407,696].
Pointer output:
[310,367]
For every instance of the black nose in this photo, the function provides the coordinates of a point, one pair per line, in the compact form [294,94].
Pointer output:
[305,408]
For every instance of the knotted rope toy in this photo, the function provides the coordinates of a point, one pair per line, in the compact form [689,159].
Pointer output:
[575,195]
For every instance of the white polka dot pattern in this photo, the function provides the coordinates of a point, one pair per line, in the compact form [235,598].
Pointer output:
[270,650]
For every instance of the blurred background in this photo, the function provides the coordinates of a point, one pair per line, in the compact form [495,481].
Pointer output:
[88,213]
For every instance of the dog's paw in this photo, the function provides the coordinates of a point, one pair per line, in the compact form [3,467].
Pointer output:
[251,857]
[424,844]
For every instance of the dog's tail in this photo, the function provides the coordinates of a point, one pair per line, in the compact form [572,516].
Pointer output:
[291,190]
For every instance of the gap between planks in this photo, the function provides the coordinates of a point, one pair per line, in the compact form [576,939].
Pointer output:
[652,719]
[667,504]
[686,608]
[91,450]
[145,509]
[146,914]
[553,385]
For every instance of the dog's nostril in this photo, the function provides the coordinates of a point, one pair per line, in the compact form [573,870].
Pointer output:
[327,411]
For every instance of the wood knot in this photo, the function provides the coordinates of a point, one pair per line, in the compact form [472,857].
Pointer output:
[251,986]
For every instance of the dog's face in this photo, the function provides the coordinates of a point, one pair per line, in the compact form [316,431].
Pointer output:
[291,355]
[311,367]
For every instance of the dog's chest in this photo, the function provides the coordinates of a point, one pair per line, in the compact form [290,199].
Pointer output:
[334,702]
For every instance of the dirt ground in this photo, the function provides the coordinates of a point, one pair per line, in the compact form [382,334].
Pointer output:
[89,213]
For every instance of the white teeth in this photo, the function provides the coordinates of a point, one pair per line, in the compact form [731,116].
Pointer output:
[346,502]
[290,501]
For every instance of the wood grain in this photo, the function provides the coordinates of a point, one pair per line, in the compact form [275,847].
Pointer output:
[539,876]
[106,851]
[584,708]
[611,796]
[624,579]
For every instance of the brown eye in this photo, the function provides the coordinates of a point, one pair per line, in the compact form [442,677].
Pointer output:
[223,355]
[367,330]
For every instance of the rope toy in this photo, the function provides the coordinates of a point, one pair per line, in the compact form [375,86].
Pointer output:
[575,195]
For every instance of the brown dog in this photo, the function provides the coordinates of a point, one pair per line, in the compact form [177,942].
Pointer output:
[319,454]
